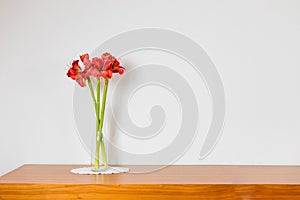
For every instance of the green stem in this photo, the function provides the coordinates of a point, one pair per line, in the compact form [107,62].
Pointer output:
[96,103]
[98,97]
[96,162]
[92,91]
[97,111]
[101,123]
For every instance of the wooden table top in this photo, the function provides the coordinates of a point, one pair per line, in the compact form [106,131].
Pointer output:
[175,174]
[172,182]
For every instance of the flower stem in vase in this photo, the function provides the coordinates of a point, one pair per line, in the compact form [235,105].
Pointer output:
[97,110]
[101,123]
[98,132]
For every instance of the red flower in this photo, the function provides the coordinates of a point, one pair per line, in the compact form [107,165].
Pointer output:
[107,73]
[110,65]
[90,67]
[103,66]
[85,58]
[107,61]
[93,69]
[76,73]
[116,68]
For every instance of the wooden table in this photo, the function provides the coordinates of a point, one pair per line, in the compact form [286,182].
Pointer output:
[173,182]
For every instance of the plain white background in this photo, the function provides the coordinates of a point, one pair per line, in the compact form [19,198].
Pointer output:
[255,46]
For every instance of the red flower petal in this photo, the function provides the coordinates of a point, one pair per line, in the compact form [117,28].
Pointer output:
[116,63]
[84,57]
[71,75]
[108,61]
[76,66]
[81,79]
[72,72]
[76,73]
[109,73]
[94,72]
[121,70]
[98,62]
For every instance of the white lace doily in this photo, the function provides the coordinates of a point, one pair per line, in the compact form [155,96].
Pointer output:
[108,170]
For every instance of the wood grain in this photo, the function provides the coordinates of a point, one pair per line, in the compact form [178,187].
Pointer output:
[187,182]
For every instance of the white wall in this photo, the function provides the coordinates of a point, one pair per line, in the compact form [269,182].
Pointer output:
[255,46]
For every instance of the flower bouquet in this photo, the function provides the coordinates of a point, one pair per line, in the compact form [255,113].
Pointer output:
[97,70]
